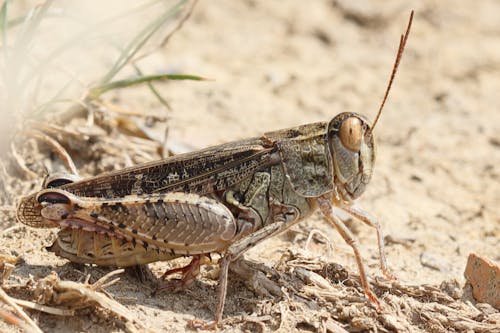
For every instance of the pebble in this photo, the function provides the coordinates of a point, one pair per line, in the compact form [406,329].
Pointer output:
[484,276]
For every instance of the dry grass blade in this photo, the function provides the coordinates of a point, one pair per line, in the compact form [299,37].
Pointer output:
[7,265]
[315,232]
[113,107]
[8,300]
[181,22]
[12,319]
[44,308]
[74,295]
[57,147]
[104,281]
[20,162]
[5,271]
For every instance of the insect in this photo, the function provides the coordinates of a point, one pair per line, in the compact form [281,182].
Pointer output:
[222,199]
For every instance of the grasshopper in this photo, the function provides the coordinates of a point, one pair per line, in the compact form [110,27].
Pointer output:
[223,199]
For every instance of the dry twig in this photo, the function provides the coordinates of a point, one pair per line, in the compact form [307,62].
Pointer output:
[57,147]
[8,300]
[12,319]
[74,295]
[21,163]
[44,308]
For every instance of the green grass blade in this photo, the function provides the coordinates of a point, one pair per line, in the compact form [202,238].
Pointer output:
[155,92]
[141,38]
[99,90]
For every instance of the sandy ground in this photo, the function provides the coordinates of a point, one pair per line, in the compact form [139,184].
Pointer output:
[278,64]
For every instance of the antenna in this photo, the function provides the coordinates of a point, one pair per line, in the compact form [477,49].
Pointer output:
[402,43]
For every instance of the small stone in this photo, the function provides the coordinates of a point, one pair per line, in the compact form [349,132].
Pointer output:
[451,287]
[486,308]
[484,276]
[396,239]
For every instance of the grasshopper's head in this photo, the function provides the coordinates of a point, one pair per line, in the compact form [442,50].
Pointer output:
[350,138]
[352,149]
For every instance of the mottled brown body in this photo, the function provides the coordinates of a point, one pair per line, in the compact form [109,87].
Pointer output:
[127,205]
[86,247]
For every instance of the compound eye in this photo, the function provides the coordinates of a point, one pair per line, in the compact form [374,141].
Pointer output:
[351,133]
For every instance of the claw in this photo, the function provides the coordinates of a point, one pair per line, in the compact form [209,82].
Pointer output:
[389,276]
[197,324]
[374,300]
[173,286]
[189,273]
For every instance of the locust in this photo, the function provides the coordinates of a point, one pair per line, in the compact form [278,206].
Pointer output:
[223,199]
